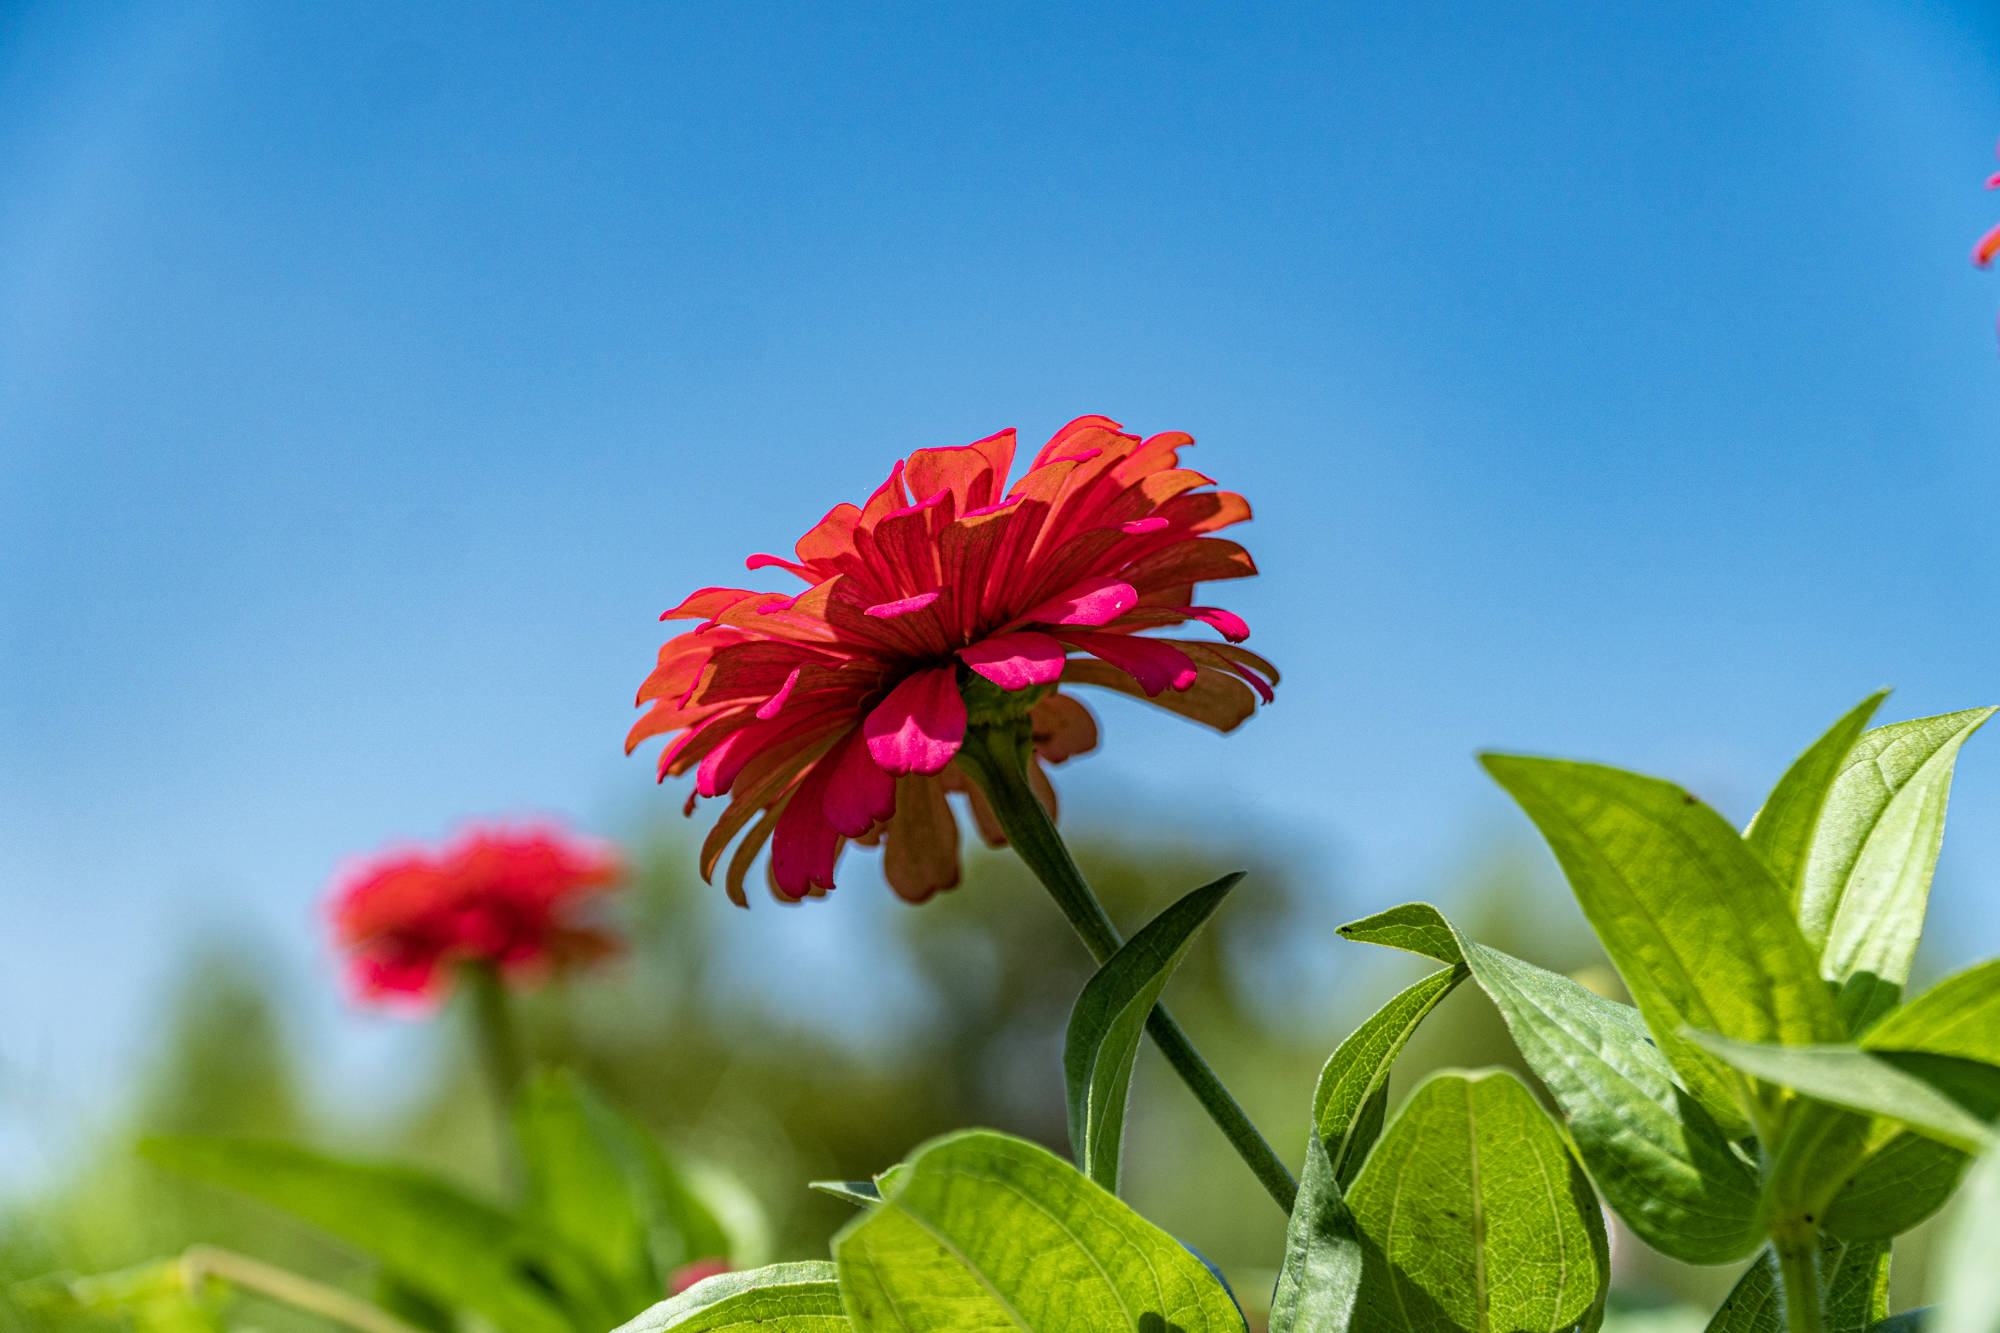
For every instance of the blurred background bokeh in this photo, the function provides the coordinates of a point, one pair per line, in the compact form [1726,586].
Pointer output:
[1608,384]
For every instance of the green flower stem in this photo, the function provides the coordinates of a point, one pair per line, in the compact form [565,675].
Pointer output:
[202,1262]
[995,756]
[500,1059]
[1798,1279]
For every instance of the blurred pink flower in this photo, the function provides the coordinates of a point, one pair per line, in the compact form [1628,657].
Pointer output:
[512,898]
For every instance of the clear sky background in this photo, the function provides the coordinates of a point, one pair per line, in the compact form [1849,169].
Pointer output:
[1611,384]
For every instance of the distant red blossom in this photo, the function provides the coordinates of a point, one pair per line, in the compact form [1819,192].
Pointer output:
[516,898]
[836,714]
[698,1271]
[1988,246]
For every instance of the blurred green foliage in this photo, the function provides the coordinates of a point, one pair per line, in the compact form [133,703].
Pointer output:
[1267,991]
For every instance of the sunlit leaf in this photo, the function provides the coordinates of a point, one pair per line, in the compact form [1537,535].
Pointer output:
[1663,1163]
[1690,916]
[1358,1071]
[1322,1265]
[983,1231]
[1321,1275]
[1782,832]
[1473,1216]
[1958,1016]
[1868,876]
[1871,1082]
[1109,1019]
[784,1298]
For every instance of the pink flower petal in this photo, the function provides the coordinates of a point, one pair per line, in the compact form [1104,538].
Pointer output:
[859,795]
[907,606]
[779,562]
[993,508]
[1016,661]
[805,844]
[1155,665]
[931,503]
[804,847]
[1139,527]
[1094,602]
[771,706]
[917,729]
[1989,245]
[1228,623]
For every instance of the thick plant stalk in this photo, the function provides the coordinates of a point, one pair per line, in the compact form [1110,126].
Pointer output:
[203,1262]
[995,756]
[1798,1280]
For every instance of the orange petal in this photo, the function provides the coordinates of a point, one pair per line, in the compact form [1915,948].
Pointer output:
[982,814]
[1217,699]
[920,845]
[1063,728]
[1195,561]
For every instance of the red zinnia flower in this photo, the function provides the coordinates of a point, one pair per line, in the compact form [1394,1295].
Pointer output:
[836,714]
[508,897]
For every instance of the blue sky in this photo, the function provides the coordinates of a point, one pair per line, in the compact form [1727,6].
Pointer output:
[370,377]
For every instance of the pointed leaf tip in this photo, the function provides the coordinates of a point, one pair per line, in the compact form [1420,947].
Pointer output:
[1109,1018]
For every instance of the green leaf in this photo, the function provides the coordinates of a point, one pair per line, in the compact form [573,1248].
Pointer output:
[860,1193]
[1854,1291]
[1905,1176]
[153,1297]
[983,1231]
[1866,1081]
[1357,1075]
[601,1182]
[1868,877]
[1473,1216]
[1110,1017]
[578,1186]
[1909,1321]
[1902,1180]
[1687,912]
[784,1298]
[1782,832]
[1863,1177]
[1969,1296]
[1321,1274]
[445,1243]
[1662,1161]
[1322,1265]
[1958,1016]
